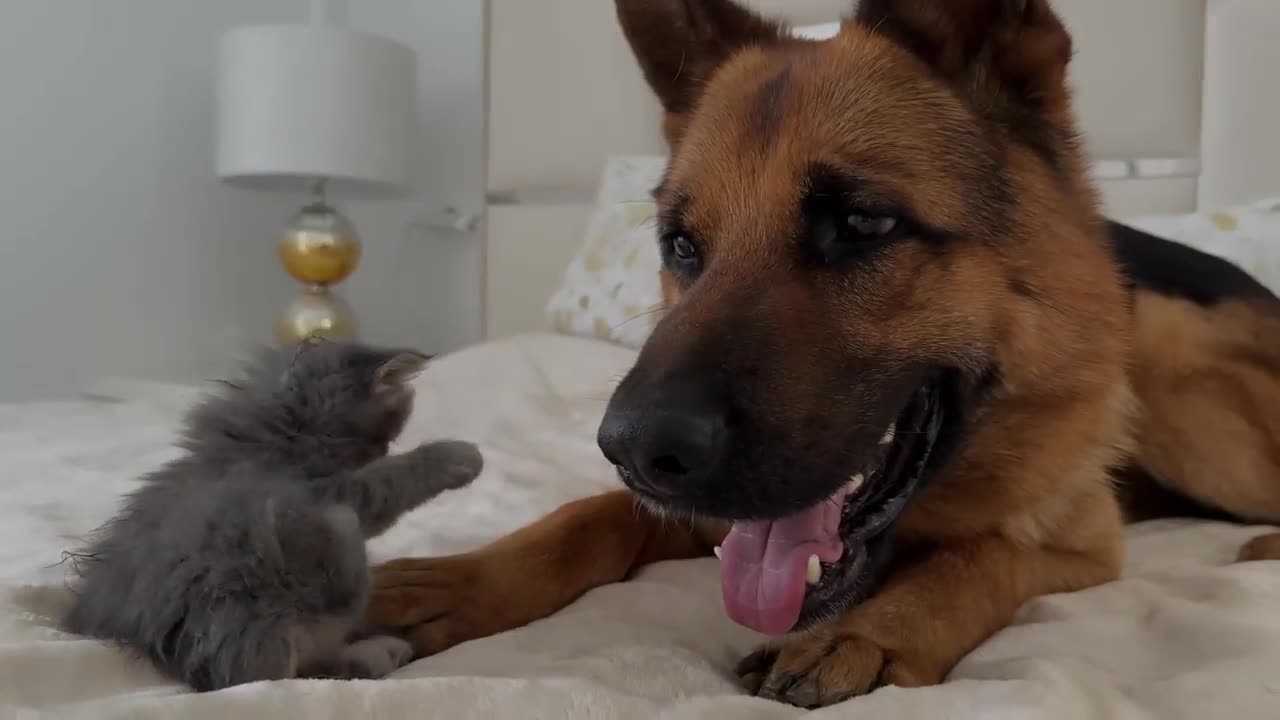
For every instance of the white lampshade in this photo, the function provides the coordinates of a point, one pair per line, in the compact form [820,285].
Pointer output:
[297,103]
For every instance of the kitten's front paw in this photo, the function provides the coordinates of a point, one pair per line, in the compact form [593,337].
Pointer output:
[451,463]
[376,656]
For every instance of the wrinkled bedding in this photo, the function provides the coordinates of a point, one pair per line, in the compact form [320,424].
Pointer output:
[1186,634]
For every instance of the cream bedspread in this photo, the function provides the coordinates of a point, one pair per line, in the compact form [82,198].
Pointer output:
[1186,634]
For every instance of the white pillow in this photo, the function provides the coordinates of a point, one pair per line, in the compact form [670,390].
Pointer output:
[1247,235]
[611,290]
[630,178]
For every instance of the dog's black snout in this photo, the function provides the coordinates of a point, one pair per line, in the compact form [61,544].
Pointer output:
[666,440]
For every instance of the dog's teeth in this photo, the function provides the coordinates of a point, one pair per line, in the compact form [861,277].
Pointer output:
[855,482]
[717,552]
[888,434]
[815,570]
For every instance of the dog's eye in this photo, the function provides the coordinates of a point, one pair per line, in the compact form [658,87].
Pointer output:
[682,249]
[681,256]
[871,226]
[846,234]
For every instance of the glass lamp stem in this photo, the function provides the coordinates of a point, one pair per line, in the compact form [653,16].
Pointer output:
[317,189]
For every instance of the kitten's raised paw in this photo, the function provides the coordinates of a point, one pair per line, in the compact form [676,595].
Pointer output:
[376,656]
[452,463]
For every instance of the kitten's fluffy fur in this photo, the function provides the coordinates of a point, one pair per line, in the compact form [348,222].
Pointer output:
[244,560]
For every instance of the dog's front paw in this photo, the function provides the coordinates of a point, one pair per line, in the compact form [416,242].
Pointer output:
[825,667]
[437,603]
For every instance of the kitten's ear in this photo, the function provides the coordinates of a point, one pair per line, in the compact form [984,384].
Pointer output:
[395,373]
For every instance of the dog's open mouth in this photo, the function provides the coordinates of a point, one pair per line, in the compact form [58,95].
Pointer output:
[784,574]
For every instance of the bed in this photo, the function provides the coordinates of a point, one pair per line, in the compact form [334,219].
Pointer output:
[1185,634]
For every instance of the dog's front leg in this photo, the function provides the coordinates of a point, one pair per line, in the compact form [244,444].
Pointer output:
[527,575]
[924,619]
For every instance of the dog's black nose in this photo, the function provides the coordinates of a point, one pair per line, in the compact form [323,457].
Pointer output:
[666,439]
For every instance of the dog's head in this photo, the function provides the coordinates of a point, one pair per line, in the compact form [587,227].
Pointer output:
[864,239]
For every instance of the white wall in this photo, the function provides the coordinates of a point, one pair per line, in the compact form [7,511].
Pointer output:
[120,251]
[1241,142]
[415,284]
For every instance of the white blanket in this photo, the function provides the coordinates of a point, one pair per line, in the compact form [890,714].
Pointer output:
[1186,634]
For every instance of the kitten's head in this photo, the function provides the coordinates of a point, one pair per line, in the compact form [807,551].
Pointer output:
[323,405]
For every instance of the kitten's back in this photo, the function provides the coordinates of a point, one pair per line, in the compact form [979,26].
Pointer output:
[223,561]
[207,575]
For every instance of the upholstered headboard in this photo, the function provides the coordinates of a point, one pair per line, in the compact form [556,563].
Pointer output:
[565,94]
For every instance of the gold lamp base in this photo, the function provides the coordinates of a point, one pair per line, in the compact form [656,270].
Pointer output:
[319,249]
[317,313]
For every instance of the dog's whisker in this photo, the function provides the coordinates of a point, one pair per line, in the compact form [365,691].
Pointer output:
[646,313]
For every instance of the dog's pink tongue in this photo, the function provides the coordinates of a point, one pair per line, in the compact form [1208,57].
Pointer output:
[763,565]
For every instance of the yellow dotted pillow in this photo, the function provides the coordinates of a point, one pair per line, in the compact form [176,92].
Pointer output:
[1247,235]
[611,289]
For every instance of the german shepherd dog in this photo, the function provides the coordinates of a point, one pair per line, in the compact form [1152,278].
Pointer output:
[908,376]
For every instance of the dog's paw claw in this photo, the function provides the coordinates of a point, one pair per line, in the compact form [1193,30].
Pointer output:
[815,671]
[754,668]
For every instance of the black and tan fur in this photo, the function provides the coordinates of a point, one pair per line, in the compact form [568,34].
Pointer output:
[1087,353]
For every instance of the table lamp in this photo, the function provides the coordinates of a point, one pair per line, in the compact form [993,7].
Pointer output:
[324,109]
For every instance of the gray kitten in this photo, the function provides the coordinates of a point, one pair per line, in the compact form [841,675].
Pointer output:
[245,559]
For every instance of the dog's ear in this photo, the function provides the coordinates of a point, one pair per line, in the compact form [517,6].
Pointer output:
[680,43]
[1022,41]
[1007,57]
